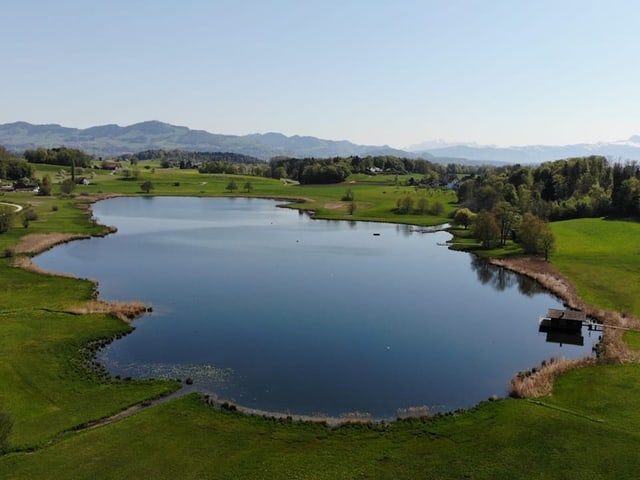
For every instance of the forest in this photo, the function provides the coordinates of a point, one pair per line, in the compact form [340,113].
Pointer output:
[558,190]
[63,156]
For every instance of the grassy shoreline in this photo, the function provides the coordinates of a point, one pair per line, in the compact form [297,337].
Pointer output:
[51,398]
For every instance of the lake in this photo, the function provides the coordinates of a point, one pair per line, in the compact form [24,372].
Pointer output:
[271,309]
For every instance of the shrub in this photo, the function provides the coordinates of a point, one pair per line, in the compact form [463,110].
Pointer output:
[67,186]
[348,196]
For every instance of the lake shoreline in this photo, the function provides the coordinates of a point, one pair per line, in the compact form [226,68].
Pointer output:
[613,347]
[547,277]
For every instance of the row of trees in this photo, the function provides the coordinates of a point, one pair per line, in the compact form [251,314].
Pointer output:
[188,159]
[572,188]
[257,170]
[69,157]
[421,206]
[334,170]
[494,228]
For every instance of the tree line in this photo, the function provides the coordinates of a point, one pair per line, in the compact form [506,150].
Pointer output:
[64,156]
[337,169]
[562,189]
[187,159]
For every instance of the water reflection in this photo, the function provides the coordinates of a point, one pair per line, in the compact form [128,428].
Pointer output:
[405,230]
[502,279]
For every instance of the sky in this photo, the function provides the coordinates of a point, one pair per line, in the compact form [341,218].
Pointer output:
[397,72]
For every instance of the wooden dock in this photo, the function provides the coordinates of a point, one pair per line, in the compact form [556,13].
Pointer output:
[565,326]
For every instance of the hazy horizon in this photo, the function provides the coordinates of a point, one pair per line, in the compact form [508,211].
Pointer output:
[374,73]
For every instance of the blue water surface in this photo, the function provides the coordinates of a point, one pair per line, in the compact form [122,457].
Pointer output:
[271,309]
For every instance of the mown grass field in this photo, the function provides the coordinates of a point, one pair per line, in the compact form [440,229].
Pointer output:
[589,428]
[602,258]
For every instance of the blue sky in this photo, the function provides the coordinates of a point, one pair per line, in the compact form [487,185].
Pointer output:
[504,72]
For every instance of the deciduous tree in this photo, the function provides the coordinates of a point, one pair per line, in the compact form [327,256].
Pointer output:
[536,236]
[232,186]
[485,229]
[464,217]
[147,186]
[6,218]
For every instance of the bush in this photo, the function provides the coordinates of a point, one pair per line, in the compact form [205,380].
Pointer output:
[348,196]
[67,186]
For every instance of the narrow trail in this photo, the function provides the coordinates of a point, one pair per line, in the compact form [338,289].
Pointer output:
[18,208]
[137,408]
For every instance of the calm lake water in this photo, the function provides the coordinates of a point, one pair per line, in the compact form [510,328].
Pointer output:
[273,310]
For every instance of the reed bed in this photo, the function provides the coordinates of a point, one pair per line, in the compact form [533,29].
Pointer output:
[125,311]
[538,382]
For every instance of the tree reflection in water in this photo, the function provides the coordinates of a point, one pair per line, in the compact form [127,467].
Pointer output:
[500,278]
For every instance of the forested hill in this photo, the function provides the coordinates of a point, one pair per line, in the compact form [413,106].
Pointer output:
[113,140]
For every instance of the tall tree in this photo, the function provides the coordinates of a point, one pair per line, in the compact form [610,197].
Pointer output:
[505,216]
[232,186]
[485,229]
[6,218]
[536,236]
[464,217]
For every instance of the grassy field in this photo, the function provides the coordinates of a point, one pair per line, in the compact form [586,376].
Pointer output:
[602,258]
[587,429]
[375,197]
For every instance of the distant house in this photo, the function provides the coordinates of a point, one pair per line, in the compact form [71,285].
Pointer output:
[107,165]
[454,184]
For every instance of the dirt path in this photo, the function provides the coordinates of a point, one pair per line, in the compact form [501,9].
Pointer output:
[139,407]
[18,208]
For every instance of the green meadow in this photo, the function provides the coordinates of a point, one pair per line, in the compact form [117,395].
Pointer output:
[602,258]
[588,428]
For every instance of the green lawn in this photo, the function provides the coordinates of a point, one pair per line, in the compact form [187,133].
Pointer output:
[45,385]
[602,258]
[573,434]
[589,428]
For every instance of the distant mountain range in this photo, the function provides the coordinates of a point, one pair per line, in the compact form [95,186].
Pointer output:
[621,150]
[113,140]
